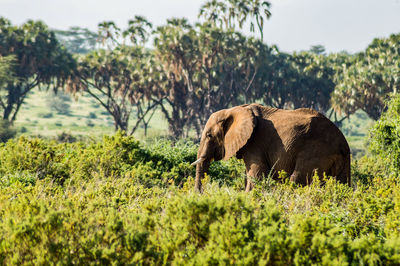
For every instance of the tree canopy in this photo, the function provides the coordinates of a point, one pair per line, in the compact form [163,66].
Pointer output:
[6,70]
[120,76]
[190,70]
[226,13]
[370,77]
[39,61]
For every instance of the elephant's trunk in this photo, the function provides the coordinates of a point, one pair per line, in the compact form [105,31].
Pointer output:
[201,168]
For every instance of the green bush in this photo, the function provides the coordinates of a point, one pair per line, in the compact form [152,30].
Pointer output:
[59,102]
[385,137]
[92,115]
[89,123]
[114,220]
[161,164]
[6,131]
[118,201]
[45,115]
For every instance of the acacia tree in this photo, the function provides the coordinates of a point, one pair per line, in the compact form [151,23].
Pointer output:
[40,61]
[6,76]
[296,80]
[314,82]
[279,75]
[6,70]
[121,78]
[120,81]
[370,78]
[207,69]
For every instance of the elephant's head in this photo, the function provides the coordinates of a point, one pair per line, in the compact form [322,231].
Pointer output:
[225,132]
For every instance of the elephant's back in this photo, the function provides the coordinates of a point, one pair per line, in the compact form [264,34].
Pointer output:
[303,126]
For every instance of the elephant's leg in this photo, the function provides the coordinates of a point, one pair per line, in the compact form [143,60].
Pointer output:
[306,168]
[299,177]
[249,184]
[255,170]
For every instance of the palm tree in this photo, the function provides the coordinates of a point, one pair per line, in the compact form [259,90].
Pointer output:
[226,12]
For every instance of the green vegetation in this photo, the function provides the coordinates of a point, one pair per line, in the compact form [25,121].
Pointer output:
[118,200]
[385,138]
[38,60]
[69,195]
[191,70]
[6,69]
[39,120]
[368,78]
[6,131]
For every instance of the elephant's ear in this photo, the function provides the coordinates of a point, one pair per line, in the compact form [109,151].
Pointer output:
[238,128]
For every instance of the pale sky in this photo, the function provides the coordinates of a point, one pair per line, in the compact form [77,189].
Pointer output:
[295,24]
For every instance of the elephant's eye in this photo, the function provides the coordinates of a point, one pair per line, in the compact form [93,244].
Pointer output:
[208,135]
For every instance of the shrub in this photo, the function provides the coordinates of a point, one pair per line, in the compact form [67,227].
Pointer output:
[23,130]
[45,115]
[35,156]
[92,115]
[6,131]
[118,201]
[116,221]
[385,137]
[161,164]
[59,103]
[89,123]
[66,137]
[25,178]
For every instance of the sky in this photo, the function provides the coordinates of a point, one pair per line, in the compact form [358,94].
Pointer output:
[295,25]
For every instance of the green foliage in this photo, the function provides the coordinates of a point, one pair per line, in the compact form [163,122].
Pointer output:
[162,164]
[197,69]
[314,81]
[385,137]
[367,79]
[92,115]
[68,137]
[121,81]
[109,220]
[45,115]
[119,201]
[226,13]
[59,103]
[6,70]
[24,178]
[39,60]
[6,131]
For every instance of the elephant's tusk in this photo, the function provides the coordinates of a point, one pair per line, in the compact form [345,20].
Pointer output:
[198,161]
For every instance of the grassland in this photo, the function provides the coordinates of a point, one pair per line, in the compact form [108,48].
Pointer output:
[356,131]
[84,117]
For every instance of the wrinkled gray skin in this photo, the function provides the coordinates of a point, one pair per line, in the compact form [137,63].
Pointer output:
[299,142]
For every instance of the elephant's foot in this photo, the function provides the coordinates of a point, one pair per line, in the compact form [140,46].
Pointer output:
[300,178]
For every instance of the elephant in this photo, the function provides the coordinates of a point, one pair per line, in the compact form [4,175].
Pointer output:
[299,141]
